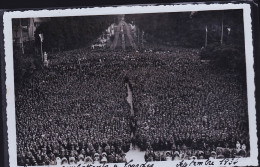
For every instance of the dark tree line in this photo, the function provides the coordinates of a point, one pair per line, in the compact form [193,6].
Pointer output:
[189,28]
[179,28]
[68,33]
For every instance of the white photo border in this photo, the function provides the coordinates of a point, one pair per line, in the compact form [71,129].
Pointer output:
[132,9]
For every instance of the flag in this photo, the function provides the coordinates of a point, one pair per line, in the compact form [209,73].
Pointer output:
[41,37]
[229,29]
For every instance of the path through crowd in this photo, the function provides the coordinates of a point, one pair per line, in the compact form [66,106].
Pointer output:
[129,98]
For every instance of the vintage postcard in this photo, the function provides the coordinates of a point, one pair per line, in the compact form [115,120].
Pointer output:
[127,86]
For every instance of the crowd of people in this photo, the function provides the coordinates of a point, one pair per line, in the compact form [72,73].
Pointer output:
[185,101]
[185,153]
[76,109]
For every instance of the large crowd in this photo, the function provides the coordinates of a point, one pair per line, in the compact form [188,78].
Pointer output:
[76,109]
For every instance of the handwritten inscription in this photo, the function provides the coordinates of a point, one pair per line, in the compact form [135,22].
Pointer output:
[208,162]
[227,161]
[88,165]
[183,163]
[127,164]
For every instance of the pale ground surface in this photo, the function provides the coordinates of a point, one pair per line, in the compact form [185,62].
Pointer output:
[136,155]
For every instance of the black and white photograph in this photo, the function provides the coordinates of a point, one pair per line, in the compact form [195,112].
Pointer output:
[128,85]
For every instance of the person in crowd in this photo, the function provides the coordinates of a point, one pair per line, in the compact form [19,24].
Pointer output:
[104,158]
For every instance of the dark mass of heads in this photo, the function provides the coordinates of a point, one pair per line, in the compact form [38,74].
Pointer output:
[75,111]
